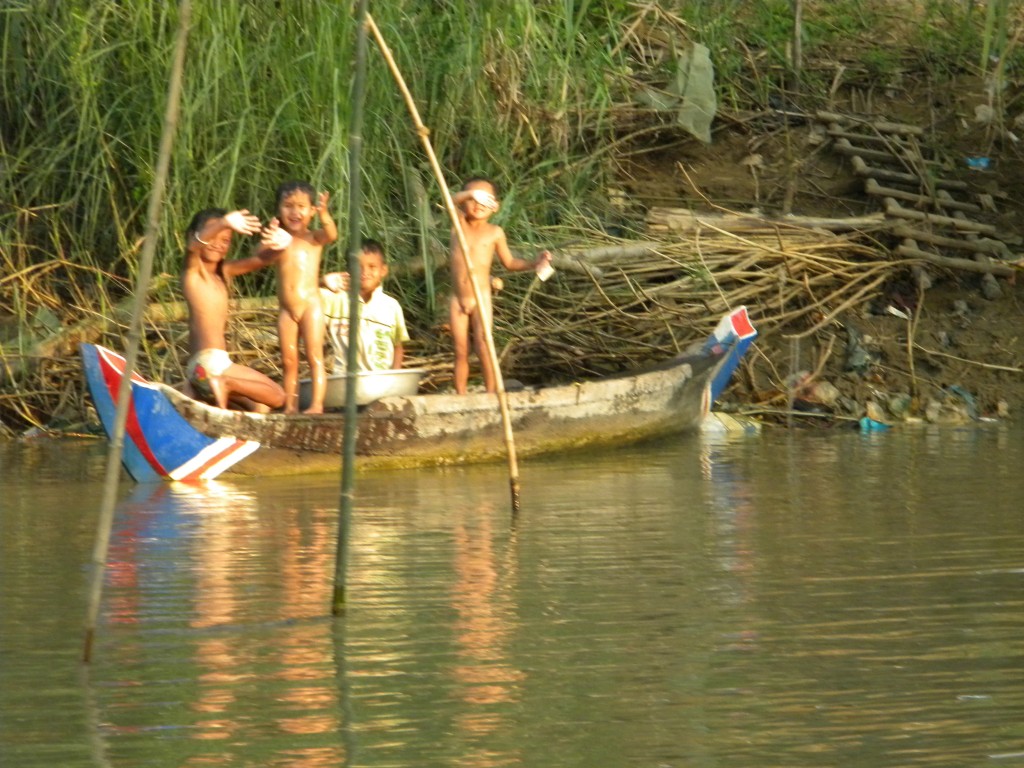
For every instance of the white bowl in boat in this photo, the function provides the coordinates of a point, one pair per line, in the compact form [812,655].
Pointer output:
[370,386]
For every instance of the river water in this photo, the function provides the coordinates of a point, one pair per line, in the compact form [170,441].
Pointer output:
[793,598]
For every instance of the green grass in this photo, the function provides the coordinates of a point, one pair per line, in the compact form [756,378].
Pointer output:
[529,93]
[521,91]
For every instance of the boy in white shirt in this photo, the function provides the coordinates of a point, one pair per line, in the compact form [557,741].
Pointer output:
[382,329]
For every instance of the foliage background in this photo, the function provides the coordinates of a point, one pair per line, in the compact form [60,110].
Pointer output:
[542,96]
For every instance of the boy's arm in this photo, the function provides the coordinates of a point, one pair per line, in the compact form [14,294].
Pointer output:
[399,356]
[275,239]
[241,221]
[542,264]
[461,197]
[328,231]
[510,262]
[273,242]
[263,257]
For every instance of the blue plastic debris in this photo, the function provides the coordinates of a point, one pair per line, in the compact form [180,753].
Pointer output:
[870,425]
[967,397]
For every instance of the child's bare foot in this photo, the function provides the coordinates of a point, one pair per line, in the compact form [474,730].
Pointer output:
[314,410]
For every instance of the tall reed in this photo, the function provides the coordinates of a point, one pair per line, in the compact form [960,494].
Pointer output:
[265,99]
[533,94]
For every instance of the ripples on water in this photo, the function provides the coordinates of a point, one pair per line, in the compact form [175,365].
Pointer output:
[793,599]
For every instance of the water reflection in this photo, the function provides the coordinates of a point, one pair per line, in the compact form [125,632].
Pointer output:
[249,583]
[733,514]
[484,628]
[796,599]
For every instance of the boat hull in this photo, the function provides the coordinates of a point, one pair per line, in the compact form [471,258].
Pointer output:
[456,429]
[158,443]
[172,436]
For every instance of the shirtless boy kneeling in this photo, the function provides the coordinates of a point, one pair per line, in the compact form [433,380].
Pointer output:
[205,281]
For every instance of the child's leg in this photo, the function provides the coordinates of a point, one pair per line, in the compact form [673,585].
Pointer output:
[220,391]
[251,388]
[459,322]
[205,374]
[311,328]
[480,317]
[288,333]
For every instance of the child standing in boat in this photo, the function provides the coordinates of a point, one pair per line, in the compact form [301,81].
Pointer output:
[289,241]
[205,282]
[382,329]
[476,202]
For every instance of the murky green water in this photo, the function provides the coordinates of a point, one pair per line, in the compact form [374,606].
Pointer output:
[793,599]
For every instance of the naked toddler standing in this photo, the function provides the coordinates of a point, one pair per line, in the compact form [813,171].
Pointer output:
[476,202]
[297,250]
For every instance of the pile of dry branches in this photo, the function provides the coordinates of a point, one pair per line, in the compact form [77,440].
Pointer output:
[627,304]
[612,306]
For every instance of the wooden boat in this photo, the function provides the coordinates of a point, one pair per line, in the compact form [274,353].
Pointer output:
[158,442]
[172,436]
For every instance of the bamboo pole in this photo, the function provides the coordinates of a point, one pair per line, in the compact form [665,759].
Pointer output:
[355,201]
[798,45]
[424,134]
[99,556]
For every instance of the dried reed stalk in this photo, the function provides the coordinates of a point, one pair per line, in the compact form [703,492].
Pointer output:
[622,305]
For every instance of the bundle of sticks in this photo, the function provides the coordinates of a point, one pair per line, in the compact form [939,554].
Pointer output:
[614,305]
[625,304]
